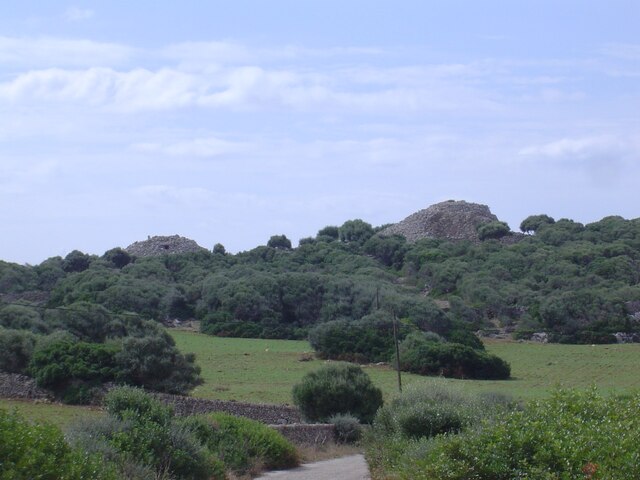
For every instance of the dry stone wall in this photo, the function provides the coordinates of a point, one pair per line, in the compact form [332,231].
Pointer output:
[20,386]
[269,414]
[307,434]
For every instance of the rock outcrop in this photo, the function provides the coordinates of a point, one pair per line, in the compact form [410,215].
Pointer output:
[450,220]
[159,245]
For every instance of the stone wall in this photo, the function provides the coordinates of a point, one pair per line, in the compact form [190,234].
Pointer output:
[307,434]
[269,414]
[20,386]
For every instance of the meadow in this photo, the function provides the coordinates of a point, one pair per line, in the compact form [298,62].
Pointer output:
[264,371]
[256,370]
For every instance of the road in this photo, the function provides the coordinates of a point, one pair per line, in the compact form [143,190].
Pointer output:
[352,467]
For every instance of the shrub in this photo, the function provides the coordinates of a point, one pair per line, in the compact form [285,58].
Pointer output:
[154,362]
[348,428]
[141,434]
[339,388]
[74,366]
[240,443]
[571,435]
[424,357]
[40,451]
[423,411]
[16,347]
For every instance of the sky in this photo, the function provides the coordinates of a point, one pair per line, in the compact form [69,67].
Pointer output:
[229,122]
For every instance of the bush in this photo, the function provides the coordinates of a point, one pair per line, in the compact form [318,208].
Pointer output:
[348,428]
[16,347]
[404,428]
[424,357]
[141,434]
[40,451]
[571,435]
[73,366]
[154,362]
[339,388]
[240,443]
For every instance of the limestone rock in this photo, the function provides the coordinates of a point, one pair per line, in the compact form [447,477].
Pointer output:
[160,245]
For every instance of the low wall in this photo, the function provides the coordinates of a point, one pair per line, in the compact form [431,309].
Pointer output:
[269,414]
[20,386]
[307,434]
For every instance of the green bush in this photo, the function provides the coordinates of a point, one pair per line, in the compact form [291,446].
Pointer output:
[420,355]
[348,428]
[30,451]
[339,388]
[141,433]
[241,444]
[572,435]
[16,347]
[71,368]
[423,411]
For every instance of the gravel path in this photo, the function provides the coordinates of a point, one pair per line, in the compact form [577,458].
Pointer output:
[352,467]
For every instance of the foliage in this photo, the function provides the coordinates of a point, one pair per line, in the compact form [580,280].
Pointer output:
[357,231]
[339,388]
[16,347]
[419,354]
[425,410]
[155,363]
[22,317]
[493,230]
[40,451]
[533,223]
[280,242]
[71,368]
[571,435]
[240,443]
[348,428]
[142,431]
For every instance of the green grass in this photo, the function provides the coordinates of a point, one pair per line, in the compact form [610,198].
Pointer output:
[264,371]
[60,415]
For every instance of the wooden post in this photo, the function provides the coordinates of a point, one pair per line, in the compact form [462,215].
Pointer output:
[395,339]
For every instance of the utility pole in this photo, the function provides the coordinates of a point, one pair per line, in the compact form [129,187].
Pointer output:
[395,339]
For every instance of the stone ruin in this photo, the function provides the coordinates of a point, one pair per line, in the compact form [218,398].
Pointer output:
[163,245]
[450,220]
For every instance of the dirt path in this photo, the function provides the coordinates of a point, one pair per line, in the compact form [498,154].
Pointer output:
[352,467]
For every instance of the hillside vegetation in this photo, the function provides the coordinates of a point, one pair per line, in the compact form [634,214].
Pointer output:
[343,288]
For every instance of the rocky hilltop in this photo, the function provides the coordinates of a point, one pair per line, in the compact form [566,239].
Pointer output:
[160,245]
[452,220]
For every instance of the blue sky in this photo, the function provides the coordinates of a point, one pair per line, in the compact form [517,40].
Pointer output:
[233,121]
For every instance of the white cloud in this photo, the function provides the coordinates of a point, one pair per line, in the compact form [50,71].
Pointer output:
[59,52]
[576,148]
[134,90]
[75,14]
[198,147]
[626,51]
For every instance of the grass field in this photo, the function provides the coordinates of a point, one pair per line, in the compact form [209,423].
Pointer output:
[264,371]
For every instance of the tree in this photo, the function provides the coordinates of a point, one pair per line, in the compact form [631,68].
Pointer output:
[339,388]
[117,257]
[533,223]
[493,230]
[281,242]
[76,261]
[356,231]
[219,249]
